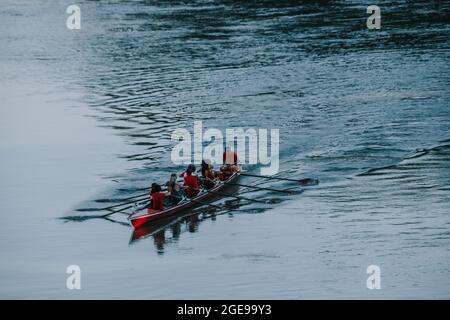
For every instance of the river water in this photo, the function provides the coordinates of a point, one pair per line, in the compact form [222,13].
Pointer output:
[86,120]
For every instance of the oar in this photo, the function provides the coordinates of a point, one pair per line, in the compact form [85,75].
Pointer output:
[228,195]
[114,206]
[221,194]
[121,210]
[133,200]
[199,202]
[118,222]
[260,188]
[304,181]
[133,197]
[236,197]
[116,211]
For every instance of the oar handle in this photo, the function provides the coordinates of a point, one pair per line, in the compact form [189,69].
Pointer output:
[113,212]
[260,188]
[302,181]
[122,204]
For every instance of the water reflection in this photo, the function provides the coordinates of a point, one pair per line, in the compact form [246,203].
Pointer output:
[168,231]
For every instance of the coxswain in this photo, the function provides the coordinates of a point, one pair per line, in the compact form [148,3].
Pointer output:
[230,157]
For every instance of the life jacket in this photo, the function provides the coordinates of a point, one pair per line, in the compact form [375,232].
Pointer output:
[158,200]
[192,184]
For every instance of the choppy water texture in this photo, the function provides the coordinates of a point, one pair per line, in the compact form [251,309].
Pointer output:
[86,119]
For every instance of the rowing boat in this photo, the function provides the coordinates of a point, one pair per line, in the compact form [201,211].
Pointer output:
[147,215]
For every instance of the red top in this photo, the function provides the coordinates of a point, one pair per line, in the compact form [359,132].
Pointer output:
[191,182]
[158,200]
[228,156]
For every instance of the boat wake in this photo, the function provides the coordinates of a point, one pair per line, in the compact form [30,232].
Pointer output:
[419,153]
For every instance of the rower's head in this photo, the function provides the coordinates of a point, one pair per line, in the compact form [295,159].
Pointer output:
[206,163]
[173,177]
[155,188]
[191,167]
[188,172]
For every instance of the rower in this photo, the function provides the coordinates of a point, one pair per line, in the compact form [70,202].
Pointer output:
[174,189]
[230,157]
[158,196]
[207,174]
[191,168]
[226,170]
[230,164]
[191,184]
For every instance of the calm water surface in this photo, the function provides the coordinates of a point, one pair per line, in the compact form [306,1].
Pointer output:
[86,119]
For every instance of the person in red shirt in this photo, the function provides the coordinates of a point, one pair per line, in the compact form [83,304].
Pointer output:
[157,197]
[230,157]
[190,184]
[190,167]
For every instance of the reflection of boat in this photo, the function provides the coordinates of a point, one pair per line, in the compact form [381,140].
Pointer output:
[190,219]
[151,229]
[150,216]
